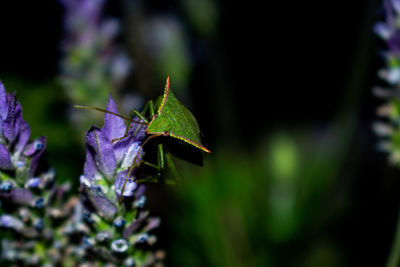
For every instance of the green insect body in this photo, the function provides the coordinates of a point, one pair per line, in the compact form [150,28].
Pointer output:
[172,120]
[175,120]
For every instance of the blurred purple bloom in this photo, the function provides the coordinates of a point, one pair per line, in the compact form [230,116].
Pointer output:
[20,196]
[394,42]
[9,221]
[396,5]
[388,29]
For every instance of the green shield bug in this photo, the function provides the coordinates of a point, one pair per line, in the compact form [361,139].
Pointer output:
[171,120]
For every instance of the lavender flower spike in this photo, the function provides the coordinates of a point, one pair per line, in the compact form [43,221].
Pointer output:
[106,160]
[16,154]
[119,227]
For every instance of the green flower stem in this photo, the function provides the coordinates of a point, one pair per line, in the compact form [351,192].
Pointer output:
[394,257]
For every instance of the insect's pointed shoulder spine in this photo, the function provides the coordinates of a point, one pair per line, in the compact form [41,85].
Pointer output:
[165,96]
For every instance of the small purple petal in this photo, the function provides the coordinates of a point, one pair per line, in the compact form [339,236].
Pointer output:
[140,202]
[84,181]
[114,126]
[382,30]
[152,223]
[135,137]
[109,29]
[33,182]
[40,146]
[393,42]
[140,191]
[9,221]
[396,5]
[3,102]
[23,137]
[89,168]
[130,185]
[11,122]
[119,245]
[5,160]
[102,152]
[133,226]
[35,146]
[103,205]
[131,155]
[18,196]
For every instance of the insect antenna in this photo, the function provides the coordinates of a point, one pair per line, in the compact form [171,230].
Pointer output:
[110,112]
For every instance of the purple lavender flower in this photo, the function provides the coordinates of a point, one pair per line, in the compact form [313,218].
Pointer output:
[16,154]
[107,162]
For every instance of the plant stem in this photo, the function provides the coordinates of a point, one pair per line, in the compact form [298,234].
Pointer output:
[394,257]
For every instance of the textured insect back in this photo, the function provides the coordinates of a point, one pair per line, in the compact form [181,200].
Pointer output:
[175,120]
[34,210]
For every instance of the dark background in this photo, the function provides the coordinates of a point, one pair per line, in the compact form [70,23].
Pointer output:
[269,67]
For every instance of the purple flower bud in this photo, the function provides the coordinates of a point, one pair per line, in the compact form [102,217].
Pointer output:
[23,137]
[34,147]
[133,226]
[140,202]
[130,185]
[33,182]
[38,203]
[119,222]
[120,246]
[142,238]
[130,261]
[396,5]
[38,223]
[152,223]
[3,102]
[5,160]
[103,236]
[9,221]
[6,186]
[101,151]
[39,145]
[114,126]
[103,205]
[393,42]
[18,196]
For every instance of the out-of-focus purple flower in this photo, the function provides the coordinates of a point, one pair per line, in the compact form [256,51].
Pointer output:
[388,30]
[9,221]
[396,5]
[20,196]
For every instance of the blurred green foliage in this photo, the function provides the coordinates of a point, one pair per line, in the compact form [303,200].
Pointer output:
[265,208]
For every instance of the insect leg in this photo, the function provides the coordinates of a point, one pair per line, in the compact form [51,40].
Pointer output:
[131,114]
[134,164]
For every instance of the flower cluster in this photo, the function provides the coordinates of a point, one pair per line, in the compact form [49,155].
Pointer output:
[31,203]
[46,229]
[119,230]
[388,127]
